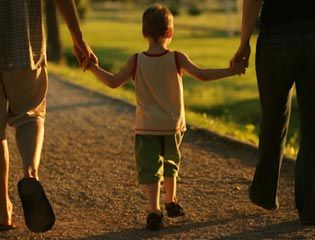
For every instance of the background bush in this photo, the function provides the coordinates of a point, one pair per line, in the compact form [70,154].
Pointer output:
[194,10]
[82,8]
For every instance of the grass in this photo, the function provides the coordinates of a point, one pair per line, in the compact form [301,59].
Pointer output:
[230,106]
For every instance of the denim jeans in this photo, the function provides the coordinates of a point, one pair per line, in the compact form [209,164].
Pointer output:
[285,56]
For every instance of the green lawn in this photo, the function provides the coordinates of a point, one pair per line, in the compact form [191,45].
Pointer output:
[229,106]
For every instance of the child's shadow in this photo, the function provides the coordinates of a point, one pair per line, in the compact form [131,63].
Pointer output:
[272,230]
[142,233]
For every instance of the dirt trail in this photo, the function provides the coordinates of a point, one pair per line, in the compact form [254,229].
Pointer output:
[88,172]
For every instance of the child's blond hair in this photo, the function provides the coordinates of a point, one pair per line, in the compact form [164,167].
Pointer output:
[157,22]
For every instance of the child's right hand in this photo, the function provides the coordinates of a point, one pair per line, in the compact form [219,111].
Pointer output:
[239,68]
[87,63]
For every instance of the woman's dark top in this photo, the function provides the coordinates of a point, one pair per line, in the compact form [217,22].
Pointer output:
[275,12]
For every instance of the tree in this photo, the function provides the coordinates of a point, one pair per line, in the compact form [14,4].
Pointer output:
[54,47]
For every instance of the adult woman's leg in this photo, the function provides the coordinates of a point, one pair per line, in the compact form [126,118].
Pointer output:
[305,163]
[275,76]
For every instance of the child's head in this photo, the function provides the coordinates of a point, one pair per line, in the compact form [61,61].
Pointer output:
[157,23]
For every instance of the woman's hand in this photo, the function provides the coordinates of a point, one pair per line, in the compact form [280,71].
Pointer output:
[241,55]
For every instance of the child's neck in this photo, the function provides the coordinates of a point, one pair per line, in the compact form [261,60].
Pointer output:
[156,47]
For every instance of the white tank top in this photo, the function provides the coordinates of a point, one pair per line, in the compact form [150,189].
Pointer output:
[159,94]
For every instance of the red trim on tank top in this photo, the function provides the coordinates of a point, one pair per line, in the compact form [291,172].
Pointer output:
[156,54]
[134,71]
[156,130]
[177,63]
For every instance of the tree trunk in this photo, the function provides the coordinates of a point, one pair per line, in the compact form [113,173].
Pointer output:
[54,48]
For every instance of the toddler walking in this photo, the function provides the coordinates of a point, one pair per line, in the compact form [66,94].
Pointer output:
[160,116]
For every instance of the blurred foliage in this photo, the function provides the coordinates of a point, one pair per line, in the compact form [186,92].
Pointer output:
[194,10]
[71,59]
[82,8]
[177,7]
[175,10]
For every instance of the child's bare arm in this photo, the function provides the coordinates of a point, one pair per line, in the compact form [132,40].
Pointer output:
[208,74]
[110,79]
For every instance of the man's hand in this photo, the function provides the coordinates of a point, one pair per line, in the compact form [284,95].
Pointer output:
[81,49]
[87,64]
[242,54]
[83,52]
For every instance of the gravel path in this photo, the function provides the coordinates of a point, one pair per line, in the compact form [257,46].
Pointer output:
[88,172]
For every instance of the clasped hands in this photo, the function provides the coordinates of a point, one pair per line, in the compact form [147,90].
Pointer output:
[84,54]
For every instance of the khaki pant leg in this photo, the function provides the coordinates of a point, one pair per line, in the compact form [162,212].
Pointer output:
[26,94]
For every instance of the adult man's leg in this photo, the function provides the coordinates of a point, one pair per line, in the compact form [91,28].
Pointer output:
[5,203]
[26,94]
[29,139]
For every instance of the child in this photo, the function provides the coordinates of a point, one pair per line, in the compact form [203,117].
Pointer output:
[160,117]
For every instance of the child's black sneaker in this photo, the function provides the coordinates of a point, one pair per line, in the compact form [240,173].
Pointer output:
[155,221]
[174,209]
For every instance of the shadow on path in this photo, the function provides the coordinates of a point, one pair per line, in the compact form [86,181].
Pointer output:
[273,231]
[141,233]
